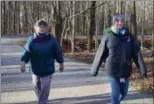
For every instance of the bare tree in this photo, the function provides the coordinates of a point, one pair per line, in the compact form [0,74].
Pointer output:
[73,28]
[119,6]
[143,23]
[153,31]
[153,36]
[92,26]
[59,21]
[2,17]
[17,18]
[133,22]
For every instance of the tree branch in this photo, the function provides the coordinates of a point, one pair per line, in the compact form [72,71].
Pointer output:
[84,11]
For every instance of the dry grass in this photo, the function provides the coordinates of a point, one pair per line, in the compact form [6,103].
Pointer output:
[148,60]
[144,84]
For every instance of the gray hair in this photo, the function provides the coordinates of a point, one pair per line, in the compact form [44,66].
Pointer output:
[117,17]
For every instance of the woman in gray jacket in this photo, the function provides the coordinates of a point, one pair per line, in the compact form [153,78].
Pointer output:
[117,49]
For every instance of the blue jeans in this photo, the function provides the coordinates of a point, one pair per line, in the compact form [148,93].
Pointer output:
[118,89]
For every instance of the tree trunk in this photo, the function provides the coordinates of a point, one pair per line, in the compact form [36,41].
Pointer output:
[127,16]
[117,6]
[59,21]
[9,18]
[133,21]
[73,28]
[92,26]
[2,17]
[123,7]
[83,21]
[17,18]
[153,36]
[102,23]
[143,23]
[153,30]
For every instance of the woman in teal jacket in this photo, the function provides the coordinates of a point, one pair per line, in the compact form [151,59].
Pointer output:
[41,49]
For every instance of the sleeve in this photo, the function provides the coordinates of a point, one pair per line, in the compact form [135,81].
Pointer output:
[57,52]
[26,51]
[100,56]
[137,57]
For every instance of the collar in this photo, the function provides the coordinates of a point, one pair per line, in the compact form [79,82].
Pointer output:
[36,35]
[122,31]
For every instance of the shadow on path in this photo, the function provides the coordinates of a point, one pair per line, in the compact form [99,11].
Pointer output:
[96,99]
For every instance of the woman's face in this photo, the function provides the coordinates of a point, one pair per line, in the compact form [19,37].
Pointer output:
[119,24]
[41,29]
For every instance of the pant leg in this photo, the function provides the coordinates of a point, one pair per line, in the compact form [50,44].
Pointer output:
[115,90]
[45,89]
[124,88]
[37,85]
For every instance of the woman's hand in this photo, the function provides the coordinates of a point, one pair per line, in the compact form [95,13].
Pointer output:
[23,67]
[61,67]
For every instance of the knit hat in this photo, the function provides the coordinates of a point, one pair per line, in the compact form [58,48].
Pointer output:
[117,17]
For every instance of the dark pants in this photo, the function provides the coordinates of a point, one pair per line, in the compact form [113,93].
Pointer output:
[118,89]
[42,88]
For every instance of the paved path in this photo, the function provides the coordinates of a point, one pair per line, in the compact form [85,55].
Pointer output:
[74,86]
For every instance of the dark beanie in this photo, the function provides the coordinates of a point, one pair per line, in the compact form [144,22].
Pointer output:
[117,17]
